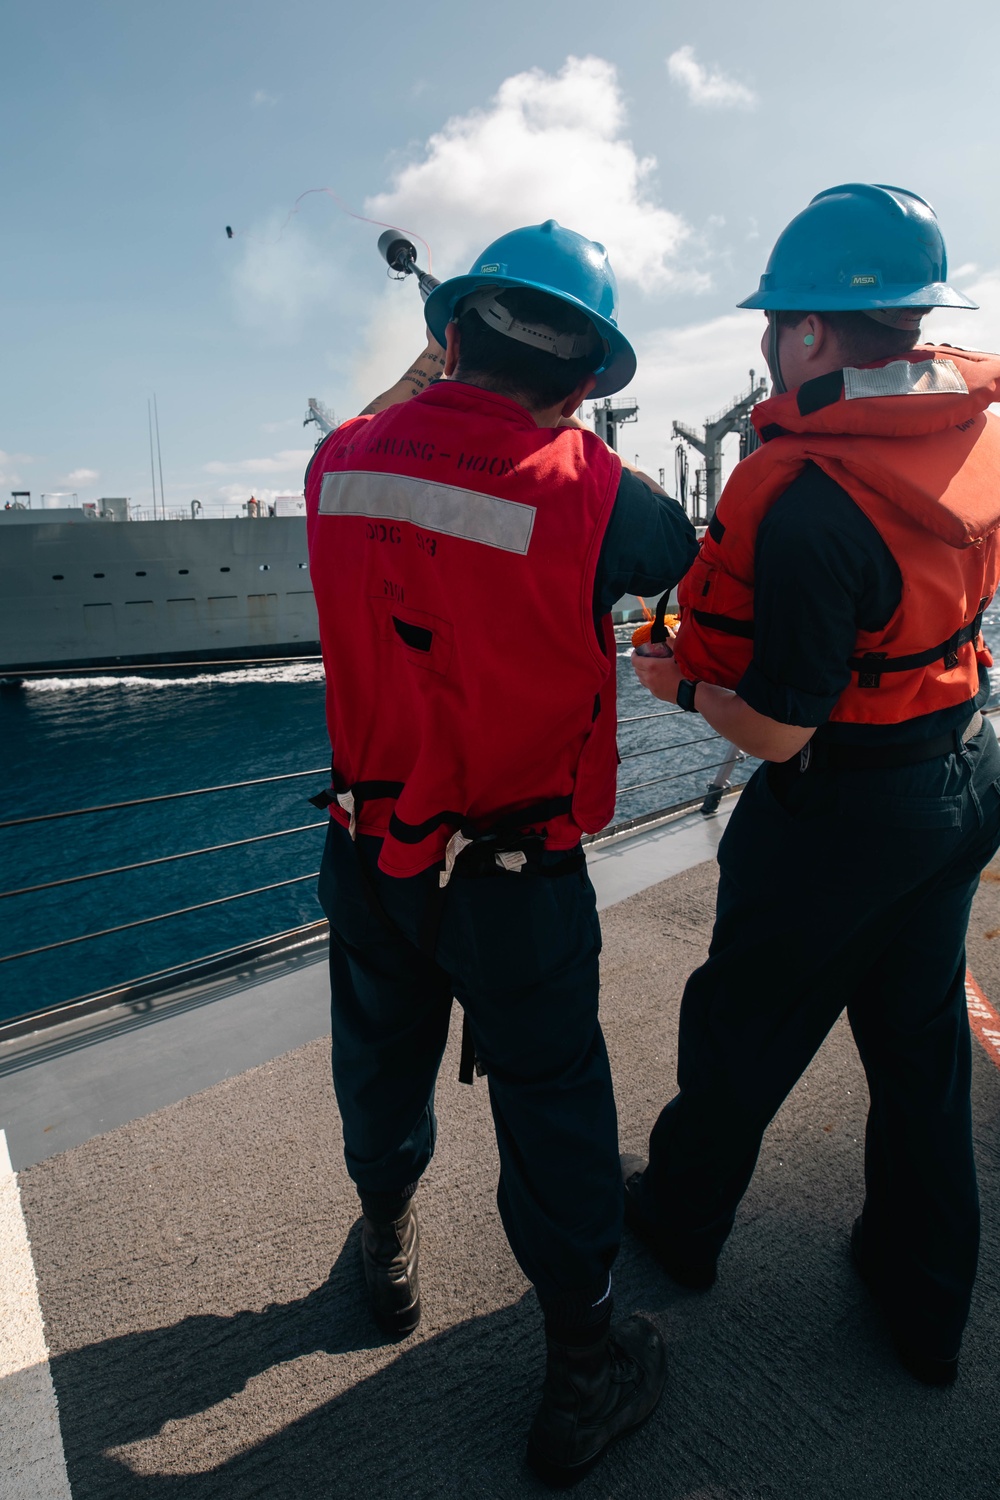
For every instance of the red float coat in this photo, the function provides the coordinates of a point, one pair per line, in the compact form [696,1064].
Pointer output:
[453,547]
[912,444]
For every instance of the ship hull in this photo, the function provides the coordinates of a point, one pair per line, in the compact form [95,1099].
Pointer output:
[94,593]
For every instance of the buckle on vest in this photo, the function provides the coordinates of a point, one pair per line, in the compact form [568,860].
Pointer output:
[873,677]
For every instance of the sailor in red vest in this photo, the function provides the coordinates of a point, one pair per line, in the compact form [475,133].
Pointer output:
[468,539]
[831,626]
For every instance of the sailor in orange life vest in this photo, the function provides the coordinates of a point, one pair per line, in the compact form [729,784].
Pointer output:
[468,539]
[831,626]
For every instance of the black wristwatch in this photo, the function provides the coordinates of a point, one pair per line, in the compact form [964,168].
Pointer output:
[685,696]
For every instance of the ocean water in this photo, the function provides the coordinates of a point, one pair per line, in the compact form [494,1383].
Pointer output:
[79,742]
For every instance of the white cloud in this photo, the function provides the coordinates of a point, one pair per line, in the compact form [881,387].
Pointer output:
[82,476]
[10,465]
[968,329]
[263,97]
[394,336]
[708,88]
[290,461]
[547,146]
[281,276]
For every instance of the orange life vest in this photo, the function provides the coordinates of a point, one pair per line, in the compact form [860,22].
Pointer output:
[910,441]
[453,546]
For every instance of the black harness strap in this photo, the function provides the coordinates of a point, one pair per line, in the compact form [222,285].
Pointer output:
[873,664]
[363,791]
[716,530]
[658,631]
[507,823]
[370,791]
[742,628]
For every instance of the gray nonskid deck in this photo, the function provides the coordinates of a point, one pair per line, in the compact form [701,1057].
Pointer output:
[61,1086]
[199,1274]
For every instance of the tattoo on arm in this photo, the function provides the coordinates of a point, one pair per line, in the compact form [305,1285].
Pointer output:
[417,378]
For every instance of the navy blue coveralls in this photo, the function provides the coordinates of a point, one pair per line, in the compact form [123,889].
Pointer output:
[520,953]
[839,887]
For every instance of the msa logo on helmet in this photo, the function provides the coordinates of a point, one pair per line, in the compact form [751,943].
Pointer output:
[866,278]
[491,269]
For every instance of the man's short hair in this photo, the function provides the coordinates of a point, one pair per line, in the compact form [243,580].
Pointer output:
[534,377]
[862,339]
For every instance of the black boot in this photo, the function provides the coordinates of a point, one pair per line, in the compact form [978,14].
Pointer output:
[389,1249]
[696,1275]
[931,1367]
[592,1396]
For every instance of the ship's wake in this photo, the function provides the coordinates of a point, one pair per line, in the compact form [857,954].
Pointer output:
[279,672]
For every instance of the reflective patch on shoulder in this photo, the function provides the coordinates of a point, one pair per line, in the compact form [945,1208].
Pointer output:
[929,377]
[445,508]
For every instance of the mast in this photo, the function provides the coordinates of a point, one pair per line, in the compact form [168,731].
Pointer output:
[152,467]
[324,418]
[609,416]
[733,418]
[159,455]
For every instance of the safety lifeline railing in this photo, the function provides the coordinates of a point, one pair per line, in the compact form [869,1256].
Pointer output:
[679,761]
[714,790]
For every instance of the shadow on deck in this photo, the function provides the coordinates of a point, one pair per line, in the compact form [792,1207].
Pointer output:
[202,1346]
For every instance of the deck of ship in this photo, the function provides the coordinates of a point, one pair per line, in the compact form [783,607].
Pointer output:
[198,1266]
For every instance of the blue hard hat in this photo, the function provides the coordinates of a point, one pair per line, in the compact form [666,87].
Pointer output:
[558,261]
[859,246]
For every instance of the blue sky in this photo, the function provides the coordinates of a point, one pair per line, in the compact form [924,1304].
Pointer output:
[135,134]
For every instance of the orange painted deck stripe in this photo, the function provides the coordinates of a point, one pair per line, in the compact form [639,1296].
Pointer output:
[983,1019]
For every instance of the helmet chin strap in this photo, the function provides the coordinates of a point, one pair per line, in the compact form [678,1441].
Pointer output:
[773,357]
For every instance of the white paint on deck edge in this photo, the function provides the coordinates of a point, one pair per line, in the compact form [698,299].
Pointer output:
[32,1463]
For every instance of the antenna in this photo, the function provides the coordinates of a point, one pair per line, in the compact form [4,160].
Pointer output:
[159,458]
[152,467]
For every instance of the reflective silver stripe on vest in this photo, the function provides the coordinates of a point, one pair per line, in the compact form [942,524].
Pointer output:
[905,377]
[485,519]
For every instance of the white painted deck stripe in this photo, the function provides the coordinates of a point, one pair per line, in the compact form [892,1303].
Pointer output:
[32,1464]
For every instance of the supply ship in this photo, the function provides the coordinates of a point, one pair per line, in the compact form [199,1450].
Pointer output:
[95,586]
